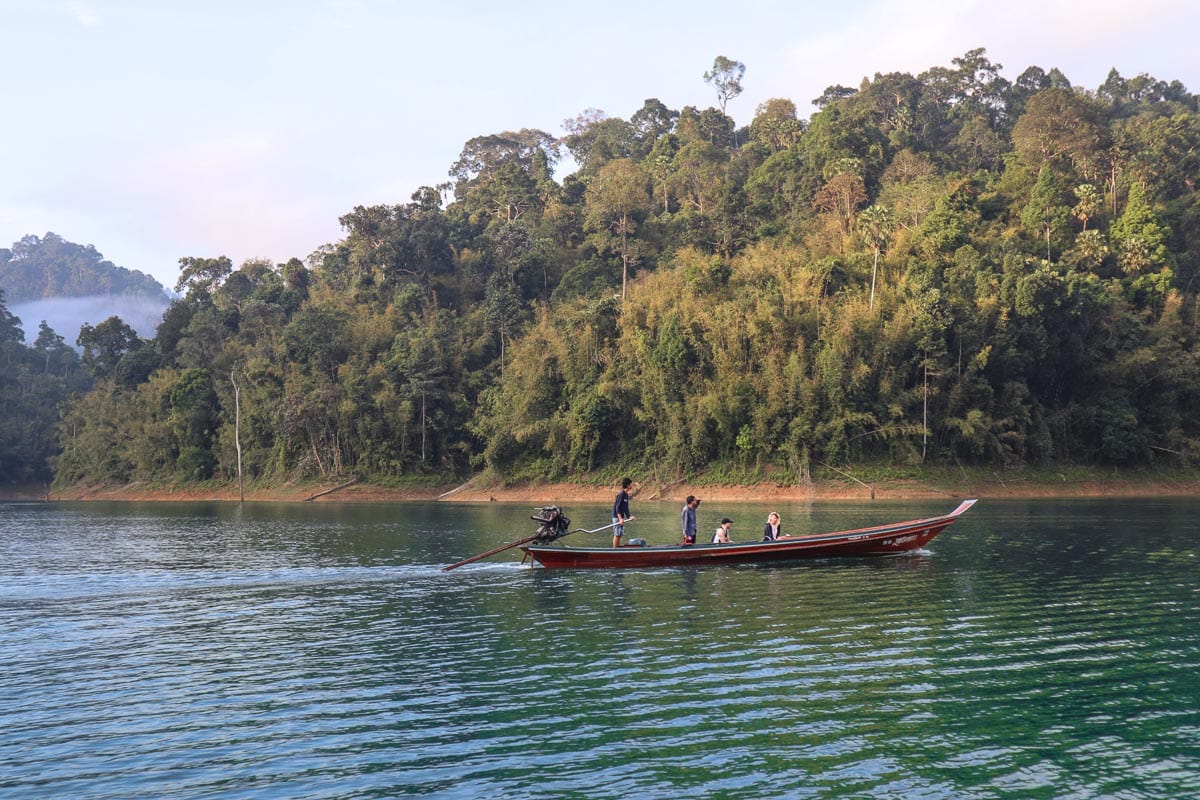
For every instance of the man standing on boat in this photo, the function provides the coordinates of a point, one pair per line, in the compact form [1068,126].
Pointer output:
[620,512]
[689,519]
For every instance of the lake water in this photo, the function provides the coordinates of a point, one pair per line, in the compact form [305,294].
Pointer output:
[1043,649]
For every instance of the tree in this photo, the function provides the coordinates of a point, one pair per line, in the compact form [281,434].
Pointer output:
[483,156]
[726,77]
[1139,236]
[502,306]
[843,192]
[420,363]
[775,125]
[876,224]
[618,193]
[202,276]
[105,344]
[594,139]
[387,246]
[10,324]
[51,345]
[833,94]
[1060,126]
[194,419]
[1046,213]
[1087,204]
[910,186]
[650,123]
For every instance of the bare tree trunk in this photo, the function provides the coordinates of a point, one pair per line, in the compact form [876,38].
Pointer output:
[237,433]
[313,443]
[874,269]
[925,416]
[624,253]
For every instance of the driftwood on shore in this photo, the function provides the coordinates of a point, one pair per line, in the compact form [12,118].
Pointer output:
[340,486]
[454,491]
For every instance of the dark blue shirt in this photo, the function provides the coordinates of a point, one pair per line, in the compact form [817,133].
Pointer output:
[621,505]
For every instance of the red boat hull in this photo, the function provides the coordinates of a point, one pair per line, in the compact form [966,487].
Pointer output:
[880,540]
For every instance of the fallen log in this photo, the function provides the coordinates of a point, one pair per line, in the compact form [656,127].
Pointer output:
[340,486]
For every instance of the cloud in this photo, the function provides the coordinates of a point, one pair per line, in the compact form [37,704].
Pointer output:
[84,14]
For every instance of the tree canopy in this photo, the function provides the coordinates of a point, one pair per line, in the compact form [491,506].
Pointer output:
[943,268]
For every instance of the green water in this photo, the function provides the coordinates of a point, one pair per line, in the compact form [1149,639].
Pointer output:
[1034,650]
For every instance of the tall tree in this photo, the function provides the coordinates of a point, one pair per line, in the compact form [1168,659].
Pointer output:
[876,224]
[1059,126]
[616,196]
[843,192]
[202,275]
[726,77]
[10,324]
[1087,203]
[594,139]
[775,125]
[1139,236]
[650,123]
[1046,214]
[105,344]
[482,157]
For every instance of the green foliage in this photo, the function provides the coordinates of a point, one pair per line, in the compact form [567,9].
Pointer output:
[1139,236]
[106,344]
[34,383]
[726,77]
[1046,214]
[936,269]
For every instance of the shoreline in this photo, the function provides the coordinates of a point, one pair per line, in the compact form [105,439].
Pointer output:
[562,493]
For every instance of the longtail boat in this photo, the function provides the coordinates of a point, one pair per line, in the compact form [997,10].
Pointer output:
[879,540]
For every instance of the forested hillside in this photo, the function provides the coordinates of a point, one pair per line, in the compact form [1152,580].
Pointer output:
[50,266]
[943,268]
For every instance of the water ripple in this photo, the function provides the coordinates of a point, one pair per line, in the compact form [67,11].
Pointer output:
[292,667]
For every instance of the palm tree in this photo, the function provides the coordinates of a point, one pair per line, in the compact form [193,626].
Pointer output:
[876,225]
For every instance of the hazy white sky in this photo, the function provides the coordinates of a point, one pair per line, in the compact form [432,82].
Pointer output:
[157,130]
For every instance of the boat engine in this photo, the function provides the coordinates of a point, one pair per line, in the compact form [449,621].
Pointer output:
[552,523]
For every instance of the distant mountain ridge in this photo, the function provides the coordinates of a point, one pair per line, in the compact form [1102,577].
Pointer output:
[67,285]
[49,267]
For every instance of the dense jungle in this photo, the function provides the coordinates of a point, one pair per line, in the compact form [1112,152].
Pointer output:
[949,268]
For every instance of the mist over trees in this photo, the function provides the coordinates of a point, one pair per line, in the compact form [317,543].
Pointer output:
[68,285]
[948,268]
[35,383]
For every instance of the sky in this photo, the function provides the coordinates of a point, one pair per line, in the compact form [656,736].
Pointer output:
[245,128]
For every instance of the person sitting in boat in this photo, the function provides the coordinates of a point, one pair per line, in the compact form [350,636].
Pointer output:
[721,535]
[688,517]
[771,529]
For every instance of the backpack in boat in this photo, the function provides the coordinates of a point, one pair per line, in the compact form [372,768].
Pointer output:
[552,523]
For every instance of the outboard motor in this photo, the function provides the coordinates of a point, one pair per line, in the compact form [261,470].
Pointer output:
[552,523]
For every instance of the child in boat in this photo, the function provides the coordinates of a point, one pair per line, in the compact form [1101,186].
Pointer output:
[721,535]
